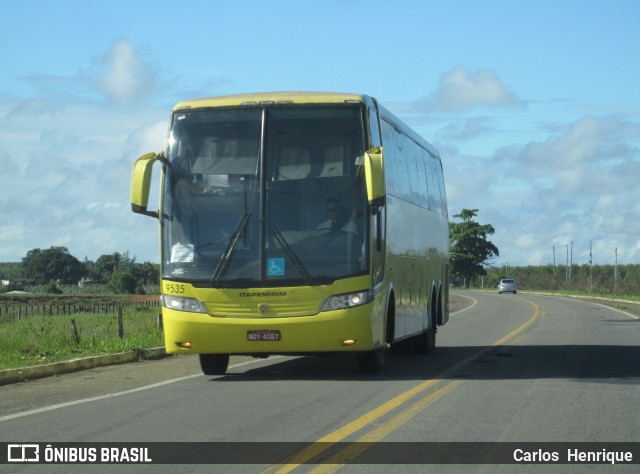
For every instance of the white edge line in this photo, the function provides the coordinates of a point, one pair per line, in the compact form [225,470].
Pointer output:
[587,302]
[475,302]
[615,309]
[117,394]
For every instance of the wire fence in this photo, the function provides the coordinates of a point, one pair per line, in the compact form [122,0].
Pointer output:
[16,312]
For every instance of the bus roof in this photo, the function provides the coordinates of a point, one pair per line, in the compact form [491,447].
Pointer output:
[274,97]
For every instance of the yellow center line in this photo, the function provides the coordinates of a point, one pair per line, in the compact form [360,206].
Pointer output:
[324,443]
[355,449]
[537,313]
[318,447]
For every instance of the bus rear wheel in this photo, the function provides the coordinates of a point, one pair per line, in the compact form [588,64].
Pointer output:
[371,362]
[214,364]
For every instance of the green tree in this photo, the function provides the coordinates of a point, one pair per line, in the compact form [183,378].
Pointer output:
[469,248]
[10,270]
[145,273]
[106,265]
[55,263]
[122,282]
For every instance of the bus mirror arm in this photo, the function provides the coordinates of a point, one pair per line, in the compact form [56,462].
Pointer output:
[378,216]
[377,204]
[143,211]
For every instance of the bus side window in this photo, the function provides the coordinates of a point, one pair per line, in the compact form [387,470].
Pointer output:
[388,152]
[431,183]
[404,190]
[443,192]
[436,199]
[422,179]
[374,128]
[414,162]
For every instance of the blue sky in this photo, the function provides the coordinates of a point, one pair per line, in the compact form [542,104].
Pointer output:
[534,107]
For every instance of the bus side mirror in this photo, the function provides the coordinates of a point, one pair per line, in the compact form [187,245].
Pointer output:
[374,176]
[141,183]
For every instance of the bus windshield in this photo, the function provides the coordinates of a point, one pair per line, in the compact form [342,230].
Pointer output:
[265,196]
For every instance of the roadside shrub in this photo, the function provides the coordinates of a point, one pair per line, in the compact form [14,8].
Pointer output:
[52,288]
[122,282]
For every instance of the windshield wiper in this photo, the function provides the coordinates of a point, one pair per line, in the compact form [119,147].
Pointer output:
[292,255]
[225,260]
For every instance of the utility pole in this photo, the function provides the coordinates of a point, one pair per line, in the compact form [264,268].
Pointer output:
[566,268]
[615,271]
[590,266]
[571,266]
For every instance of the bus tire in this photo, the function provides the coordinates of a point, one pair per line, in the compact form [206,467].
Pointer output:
[371,362]
[214,364]
[425,342]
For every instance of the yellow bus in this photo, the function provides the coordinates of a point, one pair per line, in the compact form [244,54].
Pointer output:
[300,224]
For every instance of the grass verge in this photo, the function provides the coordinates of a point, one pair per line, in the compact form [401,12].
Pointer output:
[45,339]
[602,296]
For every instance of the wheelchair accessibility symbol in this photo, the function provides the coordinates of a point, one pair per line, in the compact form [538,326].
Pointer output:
[275,266]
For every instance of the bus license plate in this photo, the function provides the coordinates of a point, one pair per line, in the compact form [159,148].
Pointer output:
[264,335]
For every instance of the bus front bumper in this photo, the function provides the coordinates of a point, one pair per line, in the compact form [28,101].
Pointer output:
[352,329]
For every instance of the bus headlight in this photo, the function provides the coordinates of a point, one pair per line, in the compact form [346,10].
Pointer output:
[348,300]
[183,304]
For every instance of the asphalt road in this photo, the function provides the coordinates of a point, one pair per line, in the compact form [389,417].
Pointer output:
[508,369]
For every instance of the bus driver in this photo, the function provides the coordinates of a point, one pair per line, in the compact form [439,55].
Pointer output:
[337,219]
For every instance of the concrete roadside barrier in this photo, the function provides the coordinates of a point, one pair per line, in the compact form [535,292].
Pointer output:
[22,374]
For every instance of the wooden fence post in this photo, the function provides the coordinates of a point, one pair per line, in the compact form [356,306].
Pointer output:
[120,326]
[74,332]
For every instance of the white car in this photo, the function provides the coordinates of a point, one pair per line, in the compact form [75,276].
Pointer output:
[507,285]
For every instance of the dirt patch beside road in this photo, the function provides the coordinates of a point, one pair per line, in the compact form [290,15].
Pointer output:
[28,298]
[144,298]
[623,305]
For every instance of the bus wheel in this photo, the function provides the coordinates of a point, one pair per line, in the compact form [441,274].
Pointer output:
[371,362]
[214,364]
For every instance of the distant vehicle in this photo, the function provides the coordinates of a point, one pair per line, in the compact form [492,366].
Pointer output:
[507,285]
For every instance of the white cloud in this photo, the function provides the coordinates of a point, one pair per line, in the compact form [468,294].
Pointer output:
[35,109]
[465,130]
[461,89]
[123,74]
[147,138]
